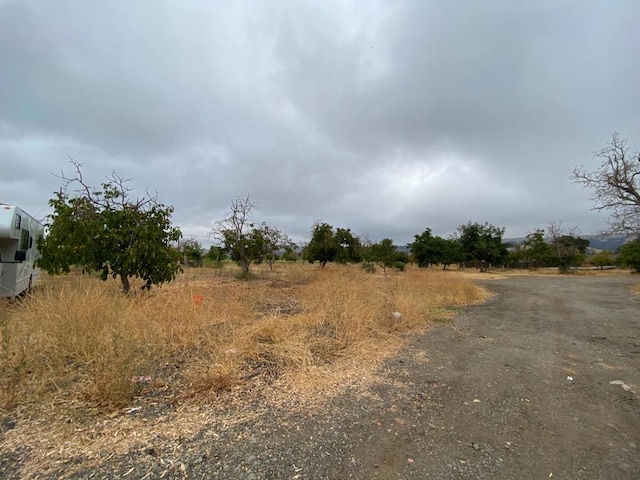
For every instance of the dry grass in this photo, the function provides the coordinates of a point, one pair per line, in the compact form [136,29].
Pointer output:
[78,341]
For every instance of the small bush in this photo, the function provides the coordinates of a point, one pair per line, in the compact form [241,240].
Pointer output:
[368,267]
[399,266]
[290,256]
[630,255]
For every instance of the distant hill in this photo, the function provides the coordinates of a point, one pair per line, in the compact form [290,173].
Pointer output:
[599,242]
[609,242]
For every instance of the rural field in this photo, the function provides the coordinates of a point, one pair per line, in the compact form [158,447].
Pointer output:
[324,373]
[77,351]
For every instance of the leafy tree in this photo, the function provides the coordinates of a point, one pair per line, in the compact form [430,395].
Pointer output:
[383,253]
[429,250]
[602,259]
[245,242]
[191,252]
[275,241]
[536,251]
[424,250]
[216,254]
[400,266]
[615,185]
[568,250]
[482,245]
[236,235]
[105,230]
[322,248]
[630,255]
[515,258]
[448,251]
[349,246]
[290,255]
[401,257]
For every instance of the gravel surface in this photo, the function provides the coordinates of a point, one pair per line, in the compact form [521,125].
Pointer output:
[542,381]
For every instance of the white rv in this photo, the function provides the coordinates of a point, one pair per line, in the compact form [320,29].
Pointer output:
[19,234]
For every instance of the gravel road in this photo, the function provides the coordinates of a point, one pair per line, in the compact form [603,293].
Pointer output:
[542,381]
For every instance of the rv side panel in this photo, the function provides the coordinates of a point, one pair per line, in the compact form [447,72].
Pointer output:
[19,234]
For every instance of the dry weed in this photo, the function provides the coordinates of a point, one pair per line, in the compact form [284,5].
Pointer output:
[79,339]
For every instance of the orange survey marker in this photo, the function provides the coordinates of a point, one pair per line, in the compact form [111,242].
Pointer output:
[198,300]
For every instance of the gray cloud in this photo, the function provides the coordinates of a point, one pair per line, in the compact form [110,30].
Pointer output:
[386,117]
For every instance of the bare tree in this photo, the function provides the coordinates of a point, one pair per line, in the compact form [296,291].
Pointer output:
[615,185]
[568,248]
[234,231]
[244,241]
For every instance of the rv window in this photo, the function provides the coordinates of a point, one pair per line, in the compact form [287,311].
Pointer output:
[30,242]
[24,240]
[18,222]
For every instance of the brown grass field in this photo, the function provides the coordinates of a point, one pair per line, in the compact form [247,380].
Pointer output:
[77,356]
[77,341]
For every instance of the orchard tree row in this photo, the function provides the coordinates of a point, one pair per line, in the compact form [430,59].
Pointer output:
[108,231]
[474,245]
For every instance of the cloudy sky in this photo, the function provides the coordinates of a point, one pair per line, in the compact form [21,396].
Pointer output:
[383,116]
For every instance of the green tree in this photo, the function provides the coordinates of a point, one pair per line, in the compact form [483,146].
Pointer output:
[482,245]
[630,255]
[602,259]
[536,251]
[448,251]
[322,248]
[349,246]
[245,248]
[235,234]
[290,254]
[104,230]
[429,250]
[275,241]
[423,249]
[191,252]
[568,250]
[216,254]
[245,242]
[401,257]
[383,253]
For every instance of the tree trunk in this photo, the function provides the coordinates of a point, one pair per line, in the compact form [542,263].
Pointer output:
[126,286]
[245,265]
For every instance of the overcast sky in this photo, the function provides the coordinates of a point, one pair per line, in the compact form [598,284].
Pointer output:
[383,116]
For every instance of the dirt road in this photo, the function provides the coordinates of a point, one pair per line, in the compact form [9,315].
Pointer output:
[542,381]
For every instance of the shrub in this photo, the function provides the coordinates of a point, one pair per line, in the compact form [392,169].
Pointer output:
[369,267]
[630,255]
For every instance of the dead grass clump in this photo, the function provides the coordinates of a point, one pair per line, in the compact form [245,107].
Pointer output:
[206,379]
[79,339]
[72,338]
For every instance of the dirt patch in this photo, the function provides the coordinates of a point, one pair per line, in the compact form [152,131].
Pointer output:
[540,382]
